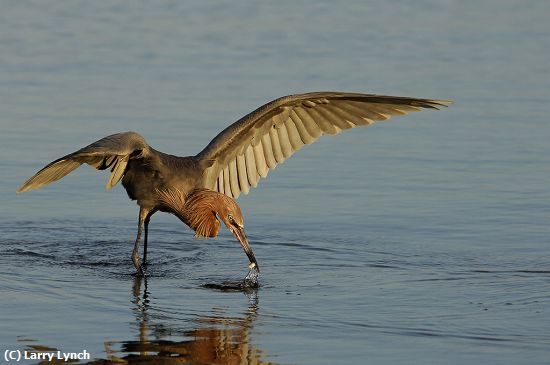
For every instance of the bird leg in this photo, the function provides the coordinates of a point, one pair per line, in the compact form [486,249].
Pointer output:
[135,254]
[146,223]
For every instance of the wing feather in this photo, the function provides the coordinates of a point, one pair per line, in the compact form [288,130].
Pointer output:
[221,183]
[112,152]
[276,145]
[327,126]
[293,135]
[258,142]
[118,169]
[302,130]
[234,177]
[268,151]
[251,169]
[346,118]
[259,160]
[243,178]
[226,181]
[364,118]
[332,114]
[284,140]
[369,113]
[311,126]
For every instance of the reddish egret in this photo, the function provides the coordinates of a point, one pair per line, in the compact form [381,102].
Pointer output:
[200,190]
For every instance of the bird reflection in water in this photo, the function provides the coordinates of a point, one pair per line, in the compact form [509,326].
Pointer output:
[214,340]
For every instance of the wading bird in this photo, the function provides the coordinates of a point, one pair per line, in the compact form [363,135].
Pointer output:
[200,190]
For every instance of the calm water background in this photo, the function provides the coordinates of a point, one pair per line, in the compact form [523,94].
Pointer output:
[421,240]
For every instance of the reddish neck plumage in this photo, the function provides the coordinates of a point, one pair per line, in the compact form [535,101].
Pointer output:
[202,210]
[197,209]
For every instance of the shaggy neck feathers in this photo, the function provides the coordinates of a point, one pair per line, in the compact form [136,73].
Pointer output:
[196,209]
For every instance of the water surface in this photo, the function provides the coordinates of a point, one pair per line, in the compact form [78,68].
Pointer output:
[424,239]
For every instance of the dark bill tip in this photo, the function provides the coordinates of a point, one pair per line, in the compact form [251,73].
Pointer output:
[243,240]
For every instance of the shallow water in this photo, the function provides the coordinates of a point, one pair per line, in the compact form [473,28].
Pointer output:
[424,239]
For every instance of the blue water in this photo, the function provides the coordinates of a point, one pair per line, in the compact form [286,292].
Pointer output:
[425,239]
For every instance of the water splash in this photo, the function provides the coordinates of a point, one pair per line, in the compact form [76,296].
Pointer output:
[249,284]
[251,279]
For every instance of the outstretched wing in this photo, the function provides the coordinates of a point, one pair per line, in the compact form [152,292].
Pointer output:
[236,158]
[112,152]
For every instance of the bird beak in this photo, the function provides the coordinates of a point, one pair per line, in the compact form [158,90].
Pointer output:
[239,233]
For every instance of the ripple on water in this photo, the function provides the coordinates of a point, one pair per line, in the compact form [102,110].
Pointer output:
[249,284]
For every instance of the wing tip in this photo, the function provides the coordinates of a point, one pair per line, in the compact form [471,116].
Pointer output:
[27,186]
[438,104]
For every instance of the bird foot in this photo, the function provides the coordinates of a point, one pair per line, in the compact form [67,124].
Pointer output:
[141,270]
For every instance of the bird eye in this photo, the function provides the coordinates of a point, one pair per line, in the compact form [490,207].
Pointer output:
[230,217]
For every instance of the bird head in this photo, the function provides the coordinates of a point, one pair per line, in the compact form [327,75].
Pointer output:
[230,214]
